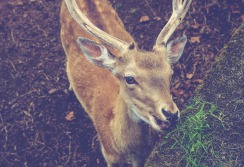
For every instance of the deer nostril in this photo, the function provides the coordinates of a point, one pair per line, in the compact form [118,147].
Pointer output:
[170,116]
[167,114]
[175,117]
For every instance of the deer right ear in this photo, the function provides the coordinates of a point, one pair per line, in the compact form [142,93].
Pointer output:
[175,49]
[97,53]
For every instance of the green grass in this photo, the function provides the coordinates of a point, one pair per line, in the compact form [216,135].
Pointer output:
[118,5]
[194,135]
[133,11]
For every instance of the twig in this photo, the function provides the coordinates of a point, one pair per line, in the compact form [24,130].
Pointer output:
[13,65]
[22,96]
[154,13]
[40,29]
[93,142]
[6,132]
[12,35]
[69,157]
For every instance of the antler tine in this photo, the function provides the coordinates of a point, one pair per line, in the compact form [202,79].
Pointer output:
[179,12]
[85,23]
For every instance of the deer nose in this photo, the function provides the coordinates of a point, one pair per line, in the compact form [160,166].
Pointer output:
[172,117]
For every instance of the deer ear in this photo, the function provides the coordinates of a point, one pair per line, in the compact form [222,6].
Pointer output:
[96,53]
[175,49]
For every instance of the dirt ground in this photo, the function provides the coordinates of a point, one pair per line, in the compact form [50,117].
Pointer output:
[34,96]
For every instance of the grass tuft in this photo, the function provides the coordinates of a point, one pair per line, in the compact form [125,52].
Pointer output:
[133,10]
[118,6]
[194,135]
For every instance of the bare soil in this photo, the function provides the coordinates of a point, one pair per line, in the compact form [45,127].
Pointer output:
[34,96]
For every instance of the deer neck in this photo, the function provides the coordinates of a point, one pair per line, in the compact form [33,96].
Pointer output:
[126,130]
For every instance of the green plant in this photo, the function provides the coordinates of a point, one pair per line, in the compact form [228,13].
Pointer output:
[133,10]
[118,5]
[194,135]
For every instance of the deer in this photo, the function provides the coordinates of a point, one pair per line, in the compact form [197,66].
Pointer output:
[122,88]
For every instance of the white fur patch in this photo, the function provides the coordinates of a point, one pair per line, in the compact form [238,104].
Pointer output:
[138,117]
[154,124]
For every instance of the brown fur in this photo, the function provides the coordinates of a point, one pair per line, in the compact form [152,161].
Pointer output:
[96,88]
[107,99]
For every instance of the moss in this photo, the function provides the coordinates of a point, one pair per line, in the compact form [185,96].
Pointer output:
[223,88]
[224,83]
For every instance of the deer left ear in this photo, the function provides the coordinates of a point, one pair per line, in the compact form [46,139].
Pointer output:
[97,53]
[175,49]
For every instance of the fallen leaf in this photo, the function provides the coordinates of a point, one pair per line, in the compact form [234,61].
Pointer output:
[17,2]
[70,116]
[177,92]
[157,18]
[242,18]
[189,76]
[187,85]
[176,85]
[195,39]
[180,92]
[98,161]
[195,25]
[144,19]
[180,27]
[199,81]
[53,90]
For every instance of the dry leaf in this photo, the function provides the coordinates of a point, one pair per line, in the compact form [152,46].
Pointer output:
[70,116]
[242,18]
[177,85]
[195,39]
[144,18]
[180,92]
[157,18]
[16,2]
[53,90]
[189,76]
[199,81]
[98,161]
[180,27]
[195,25]
[187,85]
[177,92]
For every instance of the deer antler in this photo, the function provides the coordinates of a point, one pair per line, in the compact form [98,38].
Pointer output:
[179,12]
[85,23]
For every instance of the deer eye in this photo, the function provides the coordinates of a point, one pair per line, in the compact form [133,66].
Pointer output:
[130,80]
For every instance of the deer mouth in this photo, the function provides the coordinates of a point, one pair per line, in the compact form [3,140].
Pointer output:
[152,120]
[162,124]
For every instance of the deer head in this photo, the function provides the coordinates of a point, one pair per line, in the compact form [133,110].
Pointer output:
[144,76]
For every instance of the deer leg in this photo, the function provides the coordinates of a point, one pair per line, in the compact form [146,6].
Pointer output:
[138,162]
[68,74]
[110,159]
